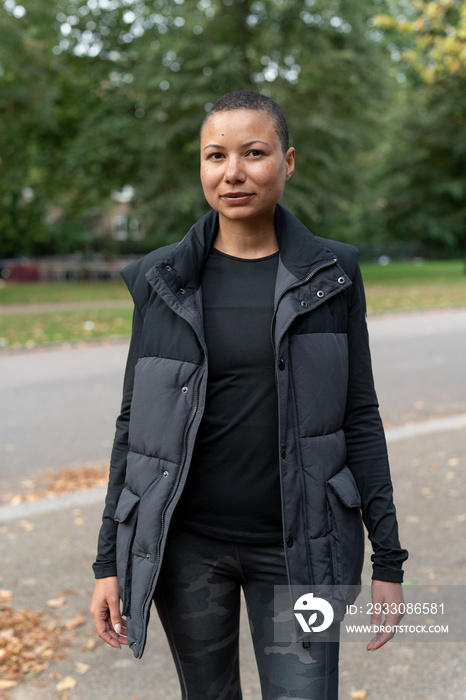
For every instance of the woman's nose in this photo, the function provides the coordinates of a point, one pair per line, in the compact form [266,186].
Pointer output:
[234,170]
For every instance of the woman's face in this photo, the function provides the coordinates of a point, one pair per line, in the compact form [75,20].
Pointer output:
[243,166]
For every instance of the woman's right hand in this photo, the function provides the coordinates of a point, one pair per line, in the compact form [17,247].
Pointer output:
[105,609]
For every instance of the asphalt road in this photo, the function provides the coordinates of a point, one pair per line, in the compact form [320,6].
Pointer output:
[59,408]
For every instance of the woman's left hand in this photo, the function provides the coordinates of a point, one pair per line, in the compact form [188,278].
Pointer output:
[386,599]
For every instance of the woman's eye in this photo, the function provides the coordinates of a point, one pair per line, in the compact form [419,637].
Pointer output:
[255,153]
[215,156]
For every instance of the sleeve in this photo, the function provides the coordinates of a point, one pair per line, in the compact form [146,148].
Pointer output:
[105,564]
[366,447]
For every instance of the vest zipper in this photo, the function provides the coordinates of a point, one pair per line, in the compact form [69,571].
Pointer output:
[329,263]
[282,448]
[172,496]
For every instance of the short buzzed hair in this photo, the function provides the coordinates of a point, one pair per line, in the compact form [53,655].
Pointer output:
[248,99]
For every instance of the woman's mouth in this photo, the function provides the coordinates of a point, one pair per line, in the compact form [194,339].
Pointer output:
[237,197]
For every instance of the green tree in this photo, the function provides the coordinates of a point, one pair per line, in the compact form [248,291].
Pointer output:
[166,62]
[426,175]
[426,184]
[121,87]
[25,115]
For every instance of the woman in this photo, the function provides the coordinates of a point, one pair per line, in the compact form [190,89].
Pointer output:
[249,438]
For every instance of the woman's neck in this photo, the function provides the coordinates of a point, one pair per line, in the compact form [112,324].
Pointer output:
[246,240]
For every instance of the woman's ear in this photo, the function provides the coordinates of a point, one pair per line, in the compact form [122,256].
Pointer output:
[290,162]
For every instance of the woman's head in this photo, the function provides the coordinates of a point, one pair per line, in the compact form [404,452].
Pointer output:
[245,159]
[248,99]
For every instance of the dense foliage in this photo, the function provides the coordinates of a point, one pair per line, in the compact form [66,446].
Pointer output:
[103,95]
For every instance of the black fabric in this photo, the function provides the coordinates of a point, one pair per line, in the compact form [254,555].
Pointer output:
[198,601]
[105,564]
[233,488]
[300,251]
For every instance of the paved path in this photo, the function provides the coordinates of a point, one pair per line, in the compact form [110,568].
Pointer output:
[430,482]
[419,367]
[59,407]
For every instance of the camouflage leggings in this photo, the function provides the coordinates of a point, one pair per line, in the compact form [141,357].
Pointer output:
[198,601]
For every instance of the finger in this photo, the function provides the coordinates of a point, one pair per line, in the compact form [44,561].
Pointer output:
[115,615]
[376,619]
[379,640]
[111,639]
[105,630]
[119,636]
[382,637]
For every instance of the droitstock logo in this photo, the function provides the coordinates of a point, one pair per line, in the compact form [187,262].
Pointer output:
[307,603]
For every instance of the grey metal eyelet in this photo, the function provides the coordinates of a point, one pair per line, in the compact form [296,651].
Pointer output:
[341,280]
[320,294]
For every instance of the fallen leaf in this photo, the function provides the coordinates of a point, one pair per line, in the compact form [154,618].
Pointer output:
[453,462]
[29,527]
[81,668]
[56,602]
[450,475]
[75,622]
[79,521]
[68,683]
[359,694]
[28,484]
[68,591]
[5,596]
[52,483]
[27,643]
[90,644]
[426,491]
[6,685]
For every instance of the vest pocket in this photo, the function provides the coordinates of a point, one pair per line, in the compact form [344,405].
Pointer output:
[346,528]
[126,515]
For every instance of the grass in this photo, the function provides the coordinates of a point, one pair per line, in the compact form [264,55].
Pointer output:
[61,292]
[397,287]
[29,330]
[404,286]
[409,273]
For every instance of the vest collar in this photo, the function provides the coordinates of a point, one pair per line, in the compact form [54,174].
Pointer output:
[300,251]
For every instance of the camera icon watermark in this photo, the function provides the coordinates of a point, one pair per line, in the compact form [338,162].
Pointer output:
[426,612]
[311,604]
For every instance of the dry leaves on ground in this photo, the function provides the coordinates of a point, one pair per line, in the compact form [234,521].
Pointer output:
[52,483]
[81,667]
[29,641]
[68,683]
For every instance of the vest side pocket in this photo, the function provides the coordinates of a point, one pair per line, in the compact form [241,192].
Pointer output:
[126,515]
[346,528]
